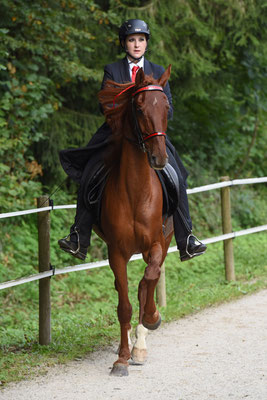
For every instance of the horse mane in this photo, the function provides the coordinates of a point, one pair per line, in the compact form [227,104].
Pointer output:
[119,94]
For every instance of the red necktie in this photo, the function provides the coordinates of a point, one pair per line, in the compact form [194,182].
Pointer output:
[134,70]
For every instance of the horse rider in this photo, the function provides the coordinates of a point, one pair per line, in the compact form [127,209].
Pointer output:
[134,35]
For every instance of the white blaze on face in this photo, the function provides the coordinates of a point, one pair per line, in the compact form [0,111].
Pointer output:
[155,101]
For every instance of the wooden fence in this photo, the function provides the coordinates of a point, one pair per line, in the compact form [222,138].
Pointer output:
[46,271]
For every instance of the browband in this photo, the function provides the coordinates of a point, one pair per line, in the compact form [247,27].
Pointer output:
[146,88]
[143,89]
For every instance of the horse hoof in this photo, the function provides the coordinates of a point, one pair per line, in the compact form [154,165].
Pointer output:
[152,327]
[139,356]
[119,370]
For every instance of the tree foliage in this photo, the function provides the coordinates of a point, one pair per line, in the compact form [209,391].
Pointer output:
[218,52]
[51,65]
[46,62]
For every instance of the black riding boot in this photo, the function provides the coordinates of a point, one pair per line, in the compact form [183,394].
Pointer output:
[188,245]
[78,240]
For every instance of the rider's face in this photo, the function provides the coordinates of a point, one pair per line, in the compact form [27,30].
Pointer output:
[136,45]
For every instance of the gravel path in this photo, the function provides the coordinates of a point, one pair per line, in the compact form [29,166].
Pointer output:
[219,353]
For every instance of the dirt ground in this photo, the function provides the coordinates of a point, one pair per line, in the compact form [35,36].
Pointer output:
[219,353]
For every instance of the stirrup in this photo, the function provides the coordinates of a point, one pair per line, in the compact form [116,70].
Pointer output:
[187,243]
[78,241]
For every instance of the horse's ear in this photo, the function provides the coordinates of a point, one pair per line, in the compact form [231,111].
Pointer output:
[165,76]
[140,76]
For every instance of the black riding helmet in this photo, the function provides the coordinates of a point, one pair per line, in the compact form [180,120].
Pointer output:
[133,26]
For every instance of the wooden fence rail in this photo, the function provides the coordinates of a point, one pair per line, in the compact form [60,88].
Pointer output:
[45,271]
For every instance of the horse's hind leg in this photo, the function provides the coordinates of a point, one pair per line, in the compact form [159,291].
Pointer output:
[118,265]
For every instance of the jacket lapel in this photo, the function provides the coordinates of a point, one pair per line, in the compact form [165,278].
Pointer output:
[124,71]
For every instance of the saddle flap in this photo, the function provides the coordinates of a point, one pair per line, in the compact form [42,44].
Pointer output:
[170,185]
[93,187]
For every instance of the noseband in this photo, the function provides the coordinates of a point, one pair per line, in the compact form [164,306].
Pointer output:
[141,138]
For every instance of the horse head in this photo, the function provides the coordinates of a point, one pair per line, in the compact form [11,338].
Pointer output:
[150,112]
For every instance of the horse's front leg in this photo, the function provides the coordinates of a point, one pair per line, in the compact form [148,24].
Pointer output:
[119,268]
[151,317]
[148,314]
[139,351]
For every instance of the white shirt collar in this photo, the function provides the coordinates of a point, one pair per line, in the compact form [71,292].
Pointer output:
[131,64]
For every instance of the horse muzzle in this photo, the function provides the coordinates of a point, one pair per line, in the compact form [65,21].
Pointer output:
[157,162]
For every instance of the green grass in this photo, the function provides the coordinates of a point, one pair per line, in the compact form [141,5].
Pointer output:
[84,305]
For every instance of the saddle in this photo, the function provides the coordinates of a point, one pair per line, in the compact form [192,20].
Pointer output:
[96,181]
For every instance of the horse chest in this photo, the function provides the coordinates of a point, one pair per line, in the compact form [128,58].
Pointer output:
[131,216]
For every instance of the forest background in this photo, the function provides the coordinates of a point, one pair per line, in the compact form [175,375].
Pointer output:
[52,55]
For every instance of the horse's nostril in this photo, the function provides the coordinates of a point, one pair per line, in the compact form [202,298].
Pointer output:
[158,162]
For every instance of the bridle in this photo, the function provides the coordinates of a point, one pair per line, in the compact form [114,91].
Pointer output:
[141,138]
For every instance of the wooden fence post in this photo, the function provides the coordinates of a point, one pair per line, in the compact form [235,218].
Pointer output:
[227,228]
[161,288]
[44,265]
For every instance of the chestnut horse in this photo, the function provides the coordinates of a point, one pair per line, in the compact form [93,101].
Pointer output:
[131,213]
